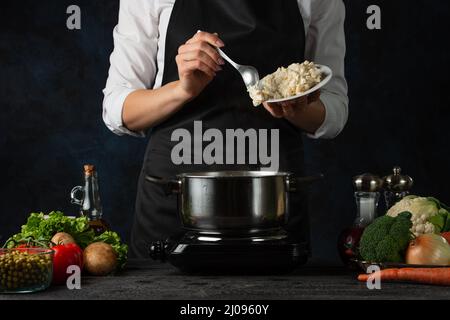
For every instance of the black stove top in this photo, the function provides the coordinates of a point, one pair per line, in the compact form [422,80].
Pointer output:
[269,251]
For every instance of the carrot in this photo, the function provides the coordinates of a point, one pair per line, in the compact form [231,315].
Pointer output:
[434,276]
[385,275]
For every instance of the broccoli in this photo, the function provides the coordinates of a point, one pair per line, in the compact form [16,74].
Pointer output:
[386,239]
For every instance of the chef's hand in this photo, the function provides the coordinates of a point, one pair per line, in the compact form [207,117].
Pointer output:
[198,62]
[307,112]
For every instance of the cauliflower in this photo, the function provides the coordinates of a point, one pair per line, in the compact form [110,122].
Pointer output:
[423,209]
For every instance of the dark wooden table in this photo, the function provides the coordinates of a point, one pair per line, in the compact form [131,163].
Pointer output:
[149,280]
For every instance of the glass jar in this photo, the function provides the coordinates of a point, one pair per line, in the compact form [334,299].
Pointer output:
[25,270]
[367,197]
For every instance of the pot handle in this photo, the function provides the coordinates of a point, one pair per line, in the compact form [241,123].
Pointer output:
[170,186]
[293,183]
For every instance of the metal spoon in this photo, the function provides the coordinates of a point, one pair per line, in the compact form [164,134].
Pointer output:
[248,73]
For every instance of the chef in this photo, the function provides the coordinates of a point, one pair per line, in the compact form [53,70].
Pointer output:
[165,75]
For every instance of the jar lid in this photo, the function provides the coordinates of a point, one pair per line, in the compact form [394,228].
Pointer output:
[367,182]
[397,181]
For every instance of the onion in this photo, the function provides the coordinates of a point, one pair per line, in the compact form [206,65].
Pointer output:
[428,249]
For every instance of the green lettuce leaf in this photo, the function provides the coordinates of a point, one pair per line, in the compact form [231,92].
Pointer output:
[43,228]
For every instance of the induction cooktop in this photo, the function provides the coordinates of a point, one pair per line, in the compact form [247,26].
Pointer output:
[267,252]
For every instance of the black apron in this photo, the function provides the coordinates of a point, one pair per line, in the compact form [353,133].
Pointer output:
[265,34]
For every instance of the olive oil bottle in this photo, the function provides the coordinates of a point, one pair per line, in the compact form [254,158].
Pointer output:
[89,202]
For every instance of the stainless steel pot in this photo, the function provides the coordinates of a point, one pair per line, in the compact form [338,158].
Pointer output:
[236,201]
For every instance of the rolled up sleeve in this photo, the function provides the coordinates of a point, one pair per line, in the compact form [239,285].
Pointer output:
[133,60]
[325,45]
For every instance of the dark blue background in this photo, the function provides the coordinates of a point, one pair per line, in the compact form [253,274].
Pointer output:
[51,82]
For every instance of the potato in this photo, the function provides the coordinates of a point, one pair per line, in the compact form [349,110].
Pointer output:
[100,259]
[62,238]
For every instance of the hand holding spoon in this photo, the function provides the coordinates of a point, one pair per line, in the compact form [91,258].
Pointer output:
[248,73]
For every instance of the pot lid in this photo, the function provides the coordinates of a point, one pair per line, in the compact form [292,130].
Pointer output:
[367,182]
[397,181]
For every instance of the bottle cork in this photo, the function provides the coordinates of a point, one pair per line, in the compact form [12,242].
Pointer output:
[89,169]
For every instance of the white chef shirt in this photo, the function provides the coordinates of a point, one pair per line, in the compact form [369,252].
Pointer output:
[137,61]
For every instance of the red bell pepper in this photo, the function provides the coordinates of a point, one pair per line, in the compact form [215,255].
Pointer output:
[65,256]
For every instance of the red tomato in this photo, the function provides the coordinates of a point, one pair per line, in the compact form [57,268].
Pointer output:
[65,256]
[446,235]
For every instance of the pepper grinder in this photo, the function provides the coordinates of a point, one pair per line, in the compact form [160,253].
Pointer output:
[367,194]
[396,187]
